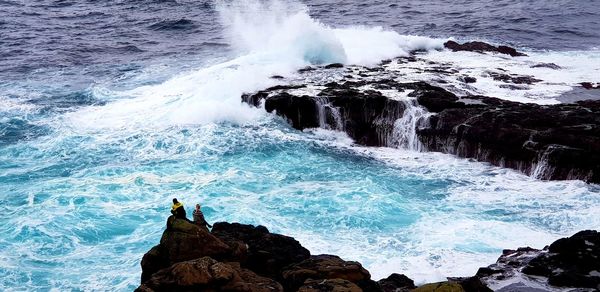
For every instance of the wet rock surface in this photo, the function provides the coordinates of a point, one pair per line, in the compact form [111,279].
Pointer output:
[573,261]
[553,142]
[482,47]
[568,262]
[548,142]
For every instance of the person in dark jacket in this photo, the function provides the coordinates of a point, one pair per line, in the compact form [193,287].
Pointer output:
[178,210]
[199,218]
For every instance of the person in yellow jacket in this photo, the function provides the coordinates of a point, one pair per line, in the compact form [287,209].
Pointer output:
[178,210]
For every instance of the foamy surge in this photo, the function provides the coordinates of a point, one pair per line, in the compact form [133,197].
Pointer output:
[274,38]
[82,205]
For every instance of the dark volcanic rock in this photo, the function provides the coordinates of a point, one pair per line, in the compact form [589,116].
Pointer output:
[571,262]
[182,241]
[549,142]
[516,79]
[207,274]
[396,283]
[546,141]
[468,79]
[568,262]
[334,65]
[267,253]
[324,267]
[367,116]
[589,85]
[482,47]
[547,65]
[329,285]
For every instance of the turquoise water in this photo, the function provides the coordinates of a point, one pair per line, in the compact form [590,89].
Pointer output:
[88,168]
[78,212]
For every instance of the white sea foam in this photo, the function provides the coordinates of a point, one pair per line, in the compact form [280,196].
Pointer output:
[468,228]
[482,210]
[576,67]
[272,38]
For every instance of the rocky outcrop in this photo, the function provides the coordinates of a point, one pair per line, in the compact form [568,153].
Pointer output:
[482,47]
[568,262]
[267,253]
[573,261]
[548,142]
[367,116]
[180,242]
[274,263]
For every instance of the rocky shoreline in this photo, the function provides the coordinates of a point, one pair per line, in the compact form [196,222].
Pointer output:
[238,257]
[371,105]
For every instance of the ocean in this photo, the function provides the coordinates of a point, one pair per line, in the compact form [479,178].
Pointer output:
[109,109]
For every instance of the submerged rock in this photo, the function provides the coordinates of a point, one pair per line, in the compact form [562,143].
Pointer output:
[482,47]
[547,65]
[589,85]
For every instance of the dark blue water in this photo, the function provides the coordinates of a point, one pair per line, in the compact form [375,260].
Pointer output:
[108,109]
[91,41]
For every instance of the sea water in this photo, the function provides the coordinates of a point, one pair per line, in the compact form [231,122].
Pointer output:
[101,126]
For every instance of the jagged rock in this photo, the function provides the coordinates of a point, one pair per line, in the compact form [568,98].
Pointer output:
[468,79]
[152,262]
[329,285]
[267,253]
[396,283]
[334,65]
[306,69]
[547,65]
[322,267]
[568,262]
[482,47]
[571,262]
[550,142]
[440,287]
[366,116]
[182,241]
[207,274]
[589,85]
[516,79]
